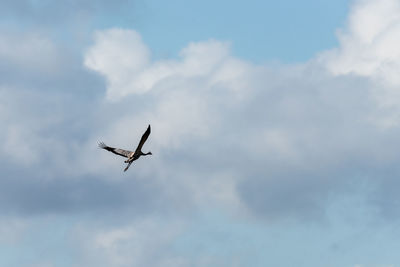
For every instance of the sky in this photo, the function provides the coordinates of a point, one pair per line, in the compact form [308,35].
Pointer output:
[275,133]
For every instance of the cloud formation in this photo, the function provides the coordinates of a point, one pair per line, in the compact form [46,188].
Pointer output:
[293,134]
[268,142]
[368,45]
[369,48]
[224,130]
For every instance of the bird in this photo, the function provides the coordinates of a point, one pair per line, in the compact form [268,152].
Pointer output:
[131,155]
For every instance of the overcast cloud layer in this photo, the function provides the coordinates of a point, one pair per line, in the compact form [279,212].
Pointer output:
[259,144]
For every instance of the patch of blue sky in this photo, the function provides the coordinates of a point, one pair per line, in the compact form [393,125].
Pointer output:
[288,31]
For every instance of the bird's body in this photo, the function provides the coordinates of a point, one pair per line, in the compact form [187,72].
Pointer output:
[131,155]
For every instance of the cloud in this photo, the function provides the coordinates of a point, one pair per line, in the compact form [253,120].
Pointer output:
[297,134]
[131,245]
[268,142]
[123,58]
[369,48]
[225,131]
[31,52]
[11,230]
[368,44]
[270,129]
[117,55]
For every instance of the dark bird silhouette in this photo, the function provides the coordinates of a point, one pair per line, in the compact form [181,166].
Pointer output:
[131,155]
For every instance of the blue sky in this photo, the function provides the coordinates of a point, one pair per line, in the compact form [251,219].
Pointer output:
[275,133]
[288,31]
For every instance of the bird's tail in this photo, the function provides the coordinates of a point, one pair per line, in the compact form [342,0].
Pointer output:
[127,167]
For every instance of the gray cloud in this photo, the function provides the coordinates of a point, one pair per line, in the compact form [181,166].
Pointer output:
[26,193]
[49,115]
[329,144]
[270,142]
[276,141]
[281,142]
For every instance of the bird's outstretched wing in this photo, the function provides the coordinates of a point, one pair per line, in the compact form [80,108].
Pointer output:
[143,139]
[118,151]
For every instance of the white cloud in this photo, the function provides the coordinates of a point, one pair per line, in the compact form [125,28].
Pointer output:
[275,142]
[118,54]
[122,57]
[274,128]
[223,128]
[230,116]
[369,48]
[369,43]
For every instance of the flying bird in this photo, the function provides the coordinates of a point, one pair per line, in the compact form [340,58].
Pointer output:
[131,155]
